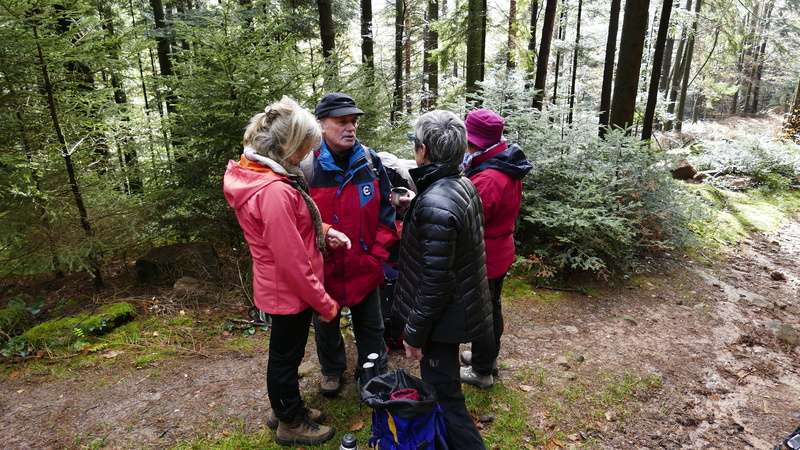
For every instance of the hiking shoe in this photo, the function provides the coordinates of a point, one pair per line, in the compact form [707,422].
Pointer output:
[466,358]
[315,416]
[302,430]
[331,385]
[469,376]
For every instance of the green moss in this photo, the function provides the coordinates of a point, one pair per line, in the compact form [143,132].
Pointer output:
[515,289]
[738,214]
[180,321]
[66,331]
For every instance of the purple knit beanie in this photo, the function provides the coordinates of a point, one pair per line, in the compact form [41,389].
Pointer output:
[484,128]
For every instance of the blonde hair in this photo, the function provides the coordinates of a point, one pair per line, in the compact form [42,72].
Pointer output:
[283,129]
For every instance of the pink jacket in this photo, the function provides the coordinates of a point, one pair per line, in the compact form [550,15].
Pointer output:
[287,266]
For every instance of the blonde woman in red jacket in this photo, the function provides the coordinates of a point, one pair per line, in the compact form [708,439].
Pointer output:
[287,239]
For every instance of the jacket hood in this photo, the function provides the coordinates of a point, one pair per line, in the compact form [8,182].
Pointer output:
[240,183]
[511,161]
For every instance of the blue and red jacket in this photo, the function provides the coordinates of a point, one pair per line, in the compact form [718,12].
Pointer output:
[356,202]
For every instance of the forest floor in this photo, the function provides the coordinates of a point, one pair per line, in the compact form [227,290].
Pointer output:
[707,346]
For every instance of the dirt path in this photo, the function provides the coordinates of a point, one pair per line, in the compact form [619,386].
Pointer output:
[722,339]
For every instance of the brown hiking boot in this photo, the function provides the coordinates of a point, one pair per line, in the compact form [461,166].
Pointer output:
[331,385]
[302,430]
[316,416]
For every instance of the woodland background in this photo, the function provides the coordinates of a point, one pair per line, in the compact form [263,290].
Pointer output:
[117,117]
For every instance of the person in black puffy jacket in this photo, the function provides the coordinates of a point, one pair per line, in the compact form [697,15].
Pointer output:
[442,292]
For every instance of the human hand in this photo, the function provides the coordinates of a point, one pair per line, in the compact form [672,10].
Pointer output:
[336,239]
[413,353]
[401,197]
[330,318]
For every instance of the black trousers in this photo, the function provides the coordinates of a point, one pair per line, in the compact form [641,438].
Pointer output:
[440,368]
[486,349]
[287,346]
[367,323]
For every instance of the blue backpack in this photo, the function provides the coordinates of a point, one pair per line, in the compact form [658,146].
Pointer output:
[404,423]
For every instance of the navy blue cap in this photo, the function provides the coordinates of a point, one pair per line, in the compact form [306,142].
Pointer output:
[336,104]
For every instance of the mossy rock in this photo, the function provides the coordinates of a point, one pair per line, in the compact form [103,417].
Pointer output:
[13,320]
[64,332]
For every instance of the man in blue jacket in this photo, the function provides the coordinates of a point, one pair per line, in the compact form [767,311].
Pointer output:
[351,188]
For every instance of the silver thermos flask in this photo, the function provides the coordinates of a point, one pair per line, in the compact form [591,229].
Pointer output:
[349,442]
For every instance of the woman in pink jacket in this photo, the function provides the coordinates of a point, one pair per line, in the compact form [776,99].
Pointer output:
[287,239]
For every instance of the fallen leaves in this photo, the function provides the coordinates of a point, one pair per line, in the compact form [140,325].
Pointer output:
[111,354]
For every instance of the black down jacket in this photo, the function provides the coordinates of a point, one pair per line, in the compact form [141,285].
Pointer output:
[442,292]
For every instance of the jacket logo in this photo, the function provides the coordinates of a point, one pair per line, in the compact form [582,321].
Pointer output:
[366,193]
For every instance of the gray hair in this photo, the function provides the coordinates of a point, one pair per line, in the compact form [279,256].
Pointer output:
[443,135]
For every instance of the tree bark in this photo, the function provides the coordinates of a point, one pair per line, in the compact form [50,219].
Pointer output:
[163,48]
[476,22]
[532,40]
[666,65]
[687,68]
[512,34]
[631,46]
[608,68]
[399,20]
[367,41]
[677,70]
[407,57]
[327,36]
[430,62]
[544,53]
[658,57]
[562,24]
[759,70]
[94,267]
[575,63]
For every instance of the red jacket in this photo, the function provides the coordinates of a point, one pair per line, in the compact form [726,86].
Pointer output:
[287,265]
[498,176]
[356,202]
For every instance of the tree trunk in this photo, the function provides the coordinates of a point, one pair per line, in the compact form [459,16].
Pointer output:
[512,34]
[658,57]
[562,24]
[407,57]
[687,68]
[544,53]
[476,20]
[608,68]
[367,41]
[94,268]
[399,19]
[164,47]
[666,64]
[532,40]
[133,181]
[677,70]
[430,61]
[759,70]
[631,46]
[575,63]
[328,38]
